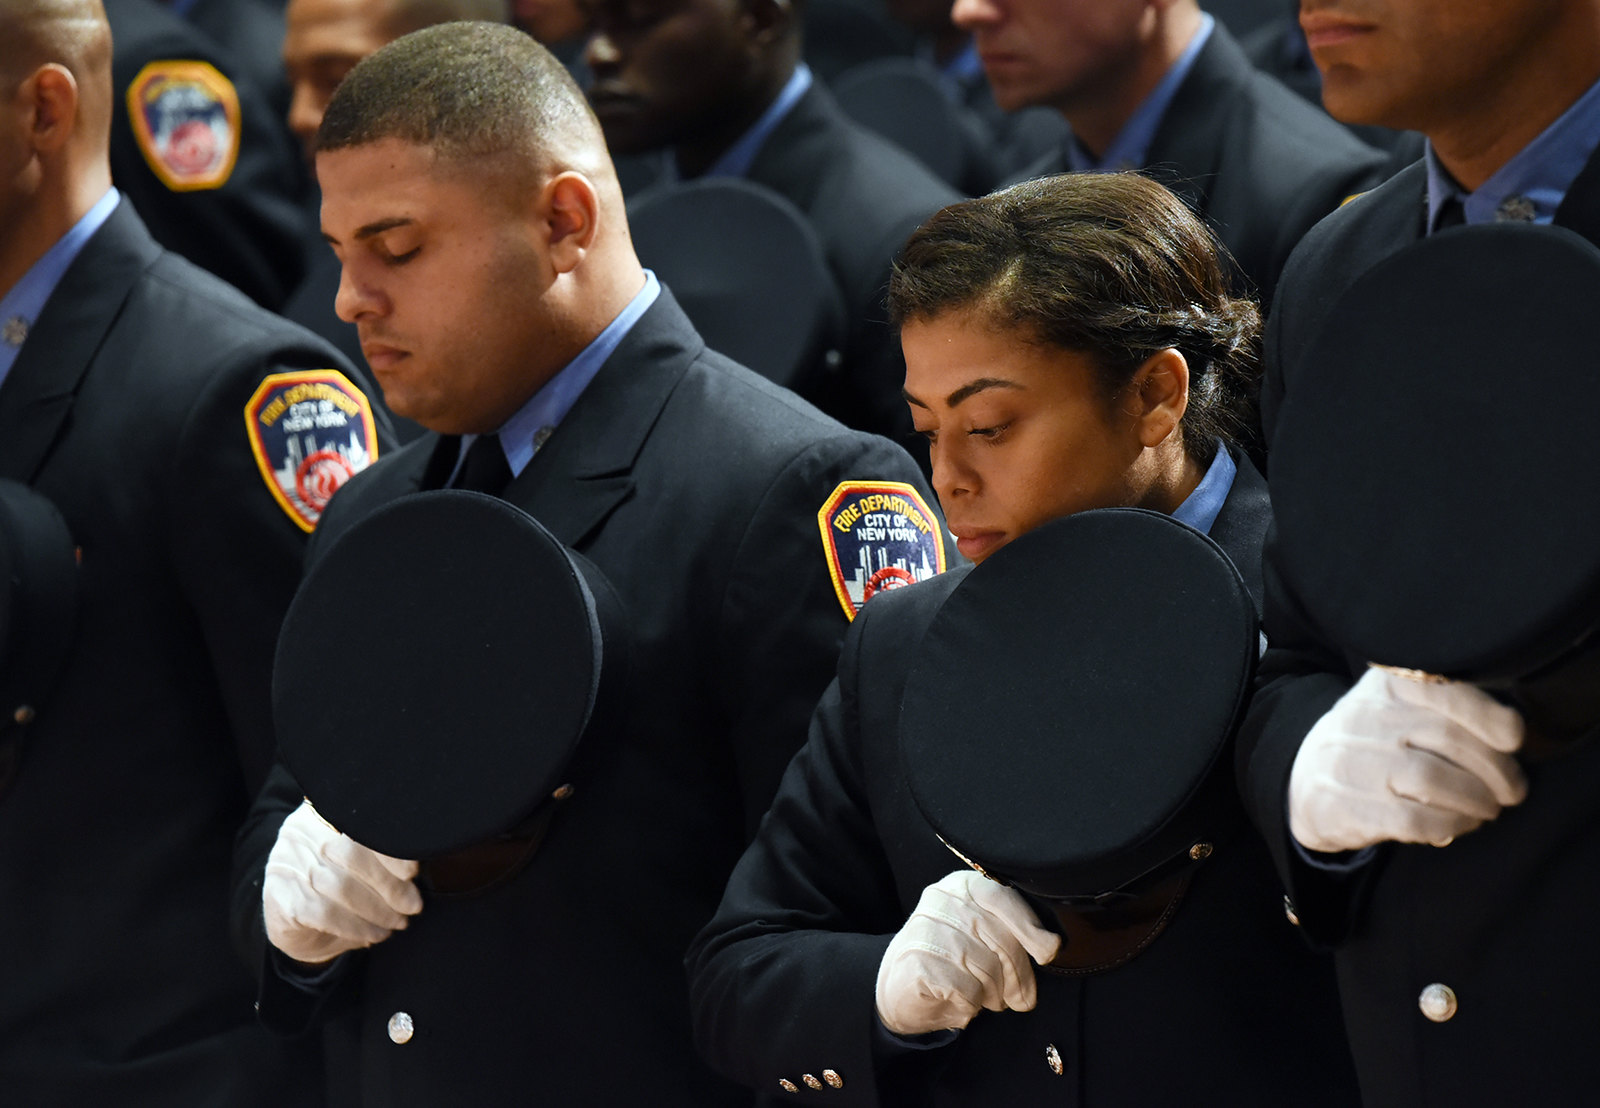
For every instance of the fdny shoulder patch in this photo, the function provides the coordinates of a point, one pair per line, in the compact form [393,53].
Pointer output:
[310,432]
[878,535]
[185,116]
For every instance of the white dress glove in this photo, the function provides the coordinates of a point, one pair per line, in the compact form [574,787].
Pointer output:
[1403,760]
[325,893]
[965,948]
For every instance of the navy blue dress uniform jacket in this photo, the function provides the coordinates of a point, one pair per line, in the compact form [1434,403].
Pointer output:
[864,195]
[1226,1007]
[694,486]
[126,408]
[1257,163]
[1501,916]
[251,229]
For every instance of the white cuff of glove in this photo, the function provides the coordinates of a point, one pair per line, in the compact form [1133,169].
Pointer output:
[965,948]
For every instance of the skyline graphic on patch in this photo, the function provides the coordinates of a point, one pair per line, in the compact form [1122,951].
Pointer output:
[878,535]
[185,117]
[310,432]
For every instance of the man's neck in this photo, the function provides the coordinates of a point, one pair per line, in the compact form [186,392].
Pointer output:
[1476,130]
[1099,115]
[701,153]
[55,209]
[1504,118]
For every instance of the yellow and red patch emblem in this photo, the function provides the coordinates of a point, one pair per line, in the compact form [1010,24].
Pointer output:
[185,117]
[878,535]
[310,432]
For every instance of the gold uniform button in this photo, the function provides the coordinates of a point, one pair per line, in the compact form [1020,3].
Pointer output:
[833,1079]
[401,1028]
[1052,1058]
[788,1086]
[811,1082]
[1438,1002]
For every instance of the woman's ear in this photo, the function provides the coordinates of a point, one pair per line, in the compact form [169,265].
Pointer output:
[1159,395]
[572,208]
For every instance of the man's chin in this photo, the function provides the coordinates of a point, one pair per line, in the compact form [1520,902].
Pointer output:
[1352,98]
[1015,97]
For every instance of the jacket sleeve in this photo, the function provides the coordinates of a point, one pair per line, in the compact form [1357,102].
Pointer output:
[237,553]
[1299,679]
[782,979]
[254,228]
[1337,185]
[781,620]
[288,1001]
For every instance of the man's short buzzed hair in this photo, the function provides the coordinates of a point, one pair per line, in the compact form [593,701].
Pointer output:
[72,33]
[465,90]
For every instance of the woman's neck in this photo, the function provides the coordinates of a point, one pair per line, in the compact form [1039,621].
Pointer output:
[1172,476]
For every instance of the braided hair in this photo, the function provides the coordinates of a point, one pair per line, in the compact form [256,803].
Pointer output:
[1112,266]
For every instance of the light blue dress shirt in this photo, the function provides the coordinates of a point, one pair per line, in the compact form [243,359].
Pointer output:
[20,306]
[525,432]
[737,159]
[1132,144]
[958,74]
[1201,507]
[1531,186]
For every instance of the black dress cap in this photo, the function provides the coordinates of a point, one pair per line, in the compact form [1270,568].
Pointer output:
[437,670]
[1063,725]
[748,269]
[1434,474]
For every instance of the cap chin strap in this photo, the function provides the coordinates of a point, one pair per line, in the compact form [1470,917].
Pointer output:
[1101,937]
[1105,930]
[969,861]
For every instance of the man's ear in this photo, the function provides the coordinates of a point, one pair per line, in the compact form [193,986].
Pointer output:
[765,21]
[1158,395]
[51,96]
[572,211]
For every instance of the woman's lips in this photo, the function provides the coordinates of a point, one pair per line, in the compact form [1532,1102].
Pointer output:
[977,544]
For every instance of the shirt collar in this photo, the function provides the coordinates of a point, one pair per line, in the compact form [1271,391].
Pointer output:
[524,433]
[20,306]
[736,159]
[1201,507]
[1531,186]
[1128,149]
[963,70]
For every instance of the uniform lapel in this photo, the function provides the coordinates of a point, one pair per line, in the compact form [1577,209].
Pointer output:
[1580,208]
[791,159]
[1241,526]
[1187,147]
[39,391]
[585,470]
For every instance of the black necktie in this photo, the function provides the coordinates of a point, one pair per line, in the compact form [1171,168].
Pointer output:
[485,468]
[1452,213]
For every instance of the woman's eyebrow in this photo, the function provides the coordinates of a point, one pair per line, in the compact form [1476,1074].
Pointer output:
[970,389]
